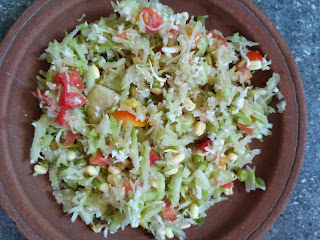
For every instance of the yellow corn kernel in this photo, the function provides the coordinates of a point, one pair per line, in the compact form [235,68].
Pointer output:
[131,102]
[91,170]
[194,211]
[71,155]
[232,157]
[154,182]
[114,170]
[170,171]
[110,179]
[178,158]
[104,187]
[40,169]
[228,191]
[94,71]
[190,105]
[200,128]
[169,233]
[156,91]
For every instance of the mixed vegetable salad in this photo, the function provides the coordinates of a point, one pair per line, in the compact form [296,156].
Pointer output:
[147,119]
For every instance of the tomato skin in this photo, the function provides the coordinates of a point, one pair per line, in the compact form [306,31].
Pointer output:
[125,116]
[72,99]
[75,80]
[152,19]
[227,185]
[169,213]
[175,34]
[42,97]
[242,67]
[123,35]
[98,159]
[127,186]
[218,37]
[254,56]
[60,119]
[60,79]
[245,128]
[70,138]
[154,157]
[204,144]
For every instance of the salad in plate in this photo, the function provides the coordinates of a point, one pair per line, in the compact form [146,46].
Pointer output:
[147,119]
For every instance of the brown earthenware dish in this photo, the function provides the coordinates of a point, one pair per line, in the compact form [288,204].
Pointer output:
[29,201]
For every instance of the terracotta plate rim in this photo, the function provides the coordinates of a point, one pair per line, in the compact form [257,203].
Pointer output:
[283,198]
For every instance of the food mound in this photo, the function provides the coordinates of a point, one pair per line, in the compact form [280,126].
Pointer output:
[147,119]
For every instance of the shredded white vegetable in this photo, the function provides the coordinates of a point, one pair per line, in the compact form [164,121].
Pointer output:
[125,94]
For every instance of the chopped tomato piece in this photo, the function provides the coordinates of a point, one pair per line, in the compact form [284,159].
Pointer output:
[247,75]
[42,97]
[60,79]
[72,99]
[169,213]
[60,119]
[254,55]
[204,144]
[74,77]
[152,20]
[227,185]
[197,36]
[125,116]
[245,128]
[70,138]
[221,40]
[175,34]
[154,157]
[123,35]
[242,67]
[127,186]
[100,159]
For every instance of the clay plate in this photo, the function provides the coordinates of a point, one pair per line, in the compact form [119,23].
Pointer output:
[28,200]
